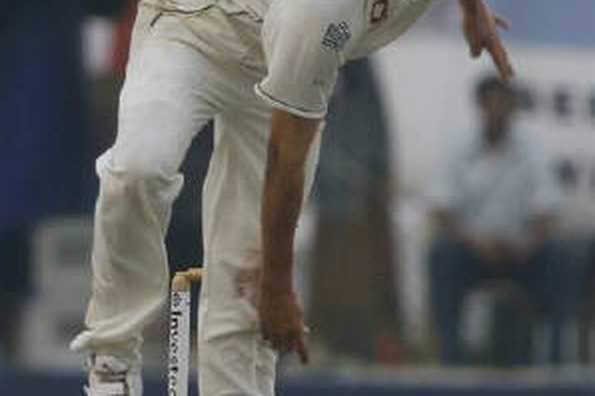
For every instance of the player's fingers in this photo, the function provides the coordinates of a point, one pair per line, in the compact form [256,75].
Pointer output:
[269,336]
[302,349]
[501,60]
[476,48]
[287,343]
[508,65]
[500,64]
[470,28]
[284,341]
[475,43]
[502,22]
[277,342]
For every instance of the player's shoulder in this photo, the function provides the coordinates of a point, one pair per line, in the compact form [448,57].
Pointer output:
[315,9]
[335,21]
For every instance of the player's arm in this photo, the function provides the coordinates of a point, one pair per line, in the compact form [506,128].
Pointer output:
[302,71]
[480,27]
[290,142]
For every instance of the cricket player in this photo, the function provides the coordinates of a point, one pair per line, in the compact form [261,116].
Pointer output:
[264,71]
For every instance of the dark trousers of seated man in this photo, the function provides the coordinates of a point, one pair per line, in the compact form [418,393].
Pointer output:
[455,269]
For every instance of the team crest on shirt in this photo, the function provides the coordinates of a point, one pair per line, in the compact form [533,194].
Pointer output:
[379,11]
[336,36]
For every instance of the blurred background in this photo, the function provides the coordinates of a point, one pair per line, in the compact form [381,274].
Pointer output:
[448,248]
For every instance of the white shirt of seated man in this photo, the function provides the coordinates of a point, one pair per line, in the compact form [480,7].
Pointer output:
[496,193]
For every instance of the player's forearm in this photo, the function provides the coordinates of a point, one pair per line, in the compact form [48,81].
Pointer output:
[283,195]
[280,211]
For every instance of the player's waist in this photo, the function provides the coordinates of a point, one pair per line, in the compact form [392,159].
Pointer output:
[255,7]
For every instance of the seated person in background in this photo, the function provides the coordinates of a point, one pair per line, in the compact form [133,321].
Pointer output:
[494,205]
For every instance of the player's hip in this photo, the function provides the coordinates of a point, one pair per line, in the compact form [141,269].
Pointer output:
[229,38]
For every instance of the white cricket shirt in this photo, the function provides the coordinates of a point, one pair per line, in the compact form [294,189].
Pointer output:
[305,42]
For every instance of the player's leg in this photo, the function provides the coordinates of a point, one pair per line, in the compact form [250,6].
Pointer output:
[162,107]
[233,359]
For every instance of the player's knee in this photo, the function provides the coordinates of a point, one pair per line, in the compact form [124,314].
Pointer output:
[139,168]
[137,164]
[134,170]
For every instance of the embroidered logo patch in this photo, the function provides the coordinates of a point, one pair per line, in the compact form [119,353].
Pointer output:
[336,36]
[379,11]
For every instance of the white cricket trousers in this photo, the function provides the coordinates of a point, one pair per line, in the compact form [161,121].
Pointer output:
[186,69]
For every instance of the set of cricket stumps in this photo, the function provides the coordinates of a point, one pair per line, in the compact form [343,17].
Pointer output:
[180,347]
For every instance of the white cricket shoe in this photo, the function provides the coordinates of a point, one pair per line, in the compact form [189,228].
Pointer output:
[110,376]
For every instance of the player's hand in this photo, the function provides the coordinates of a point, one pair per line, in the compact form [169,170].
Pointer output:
[281,323]
[480,27]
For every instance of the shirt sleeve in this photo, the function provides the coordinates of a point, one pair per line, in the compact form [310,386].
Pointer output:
[304,48]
